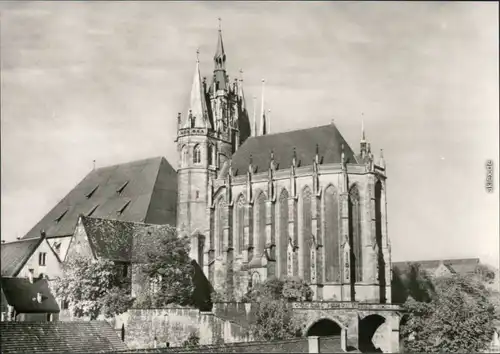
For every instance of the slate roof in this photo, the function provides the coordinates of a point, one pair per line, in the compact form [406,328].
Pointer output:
[461,266]
[144,191]
[22,295]
[59,337]
[14,255]
[327,137]
[123,241]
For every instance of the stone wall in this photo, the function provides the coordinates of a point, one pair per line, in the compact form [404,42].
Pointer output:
[175,325]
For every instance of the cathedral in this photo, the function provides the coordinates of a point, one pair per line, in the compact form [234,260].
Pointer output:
[257,205]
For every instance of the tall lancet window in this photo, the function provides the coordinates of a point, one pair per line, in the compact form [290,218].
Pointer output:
[260,224]
[184,156]
[210,155]
[283,240]
[239,229]
[355,235]
[219,226]
[332,242]
[197,154]
[306,233]
[378,239]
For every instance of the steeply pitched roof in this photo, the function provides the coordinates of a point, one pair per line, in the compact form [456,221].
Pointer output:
[16,254]
[460,266]
[327,137]
[59,337]
[22,295]
[141,191]
[123,241]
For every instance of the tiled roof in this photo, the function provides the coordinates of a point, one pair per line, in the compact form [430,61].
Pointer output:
[22,295]
[327,137]
[141,191]
[16,254]
[460,266]
[59,337]
[123,241]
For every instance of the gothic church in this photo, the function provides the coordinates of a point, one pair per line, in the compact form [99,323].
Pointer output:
[299,203]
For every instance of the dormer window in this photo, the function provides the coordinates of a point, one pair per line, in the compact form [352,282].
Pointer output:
[92,210]
[89,194]
[197,154]
[122,209]
[120,190]
[59,218]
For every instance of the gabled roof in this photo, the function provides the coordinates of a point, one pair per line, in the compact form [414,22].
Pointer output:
[461,266]
[59,337]
[140,191]
[123,241]
[327,137]
[16,254]
[22,295]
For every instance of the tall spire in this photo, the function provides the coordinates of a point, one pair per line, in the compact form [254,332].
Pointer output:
[254,129]
[263,128]
[220,55]
[197,116]
[362,143]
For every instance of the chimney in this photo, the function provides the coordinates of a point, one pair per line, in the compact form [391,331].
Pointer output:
[42,234]
[18,237]
[30,275]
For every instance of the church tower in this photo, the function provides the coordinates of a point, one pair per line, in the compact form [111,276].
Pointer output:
[207,136]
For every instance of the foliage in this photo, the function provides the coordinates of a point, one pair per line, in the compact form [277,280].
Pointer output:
[485,273]
[192,340]
[274,320]
[94,287]
[169,265]
[414,283]
[290,289]
[458,318]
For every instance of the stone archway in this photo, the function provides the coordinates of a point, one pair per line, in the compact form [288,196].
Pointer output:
[324,327]
[368,327]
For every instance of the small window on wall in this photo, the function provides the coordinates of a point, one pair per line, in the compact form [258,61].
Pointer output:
[42,257]
[210,154]
[197,154]
[49,317]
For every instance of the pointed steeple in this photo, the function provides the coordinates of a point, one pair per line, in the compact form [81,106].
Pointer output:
[197,113]
[220,77]
[254,129]
[263,125]
[362,144]
[241,94]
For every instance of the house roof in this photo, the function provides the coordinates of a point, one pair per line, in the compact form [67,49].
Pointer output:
[141,191]
[22,295]
[59,337]
[121,240]
[14,255]
[460,266]
[327,137]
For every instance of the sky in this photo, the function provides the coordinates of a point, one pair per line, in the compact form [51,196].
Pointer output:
[103,81]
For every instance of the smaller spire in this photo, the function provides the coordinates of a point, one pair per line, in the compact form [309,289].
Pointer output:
[198,55]
[294,157]
[254,130]
[250,167]
[316,158]
[381,159]
[363,138]
[263,127]
[241,75]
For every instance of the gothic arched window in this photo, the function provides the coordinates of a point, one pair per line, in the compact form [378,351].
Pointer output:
[197,154]
[283,234]
[260,223]
[219,226]
[355,235]
[184,155]
[378,239]
[306,233]
[239,229]
[331,229]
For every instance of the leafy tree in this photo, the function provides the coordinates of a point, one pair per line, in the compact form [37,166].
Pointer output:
[290,289]
[484,273]
[458,318]
[275,320]
[169,266]
[93,287]
[414,282]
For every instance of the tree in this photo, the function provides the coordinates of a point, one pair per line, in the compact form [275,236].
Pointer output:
[413,282]
[290,289]
[274,318]
[169,266]
[458,318]
[94,287]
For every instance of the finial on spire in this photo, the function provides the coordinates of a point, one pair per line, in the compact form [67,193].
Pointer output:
[241,75]
[272,154]
[93,164]
[363,138]
[198,55]
[220,24]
